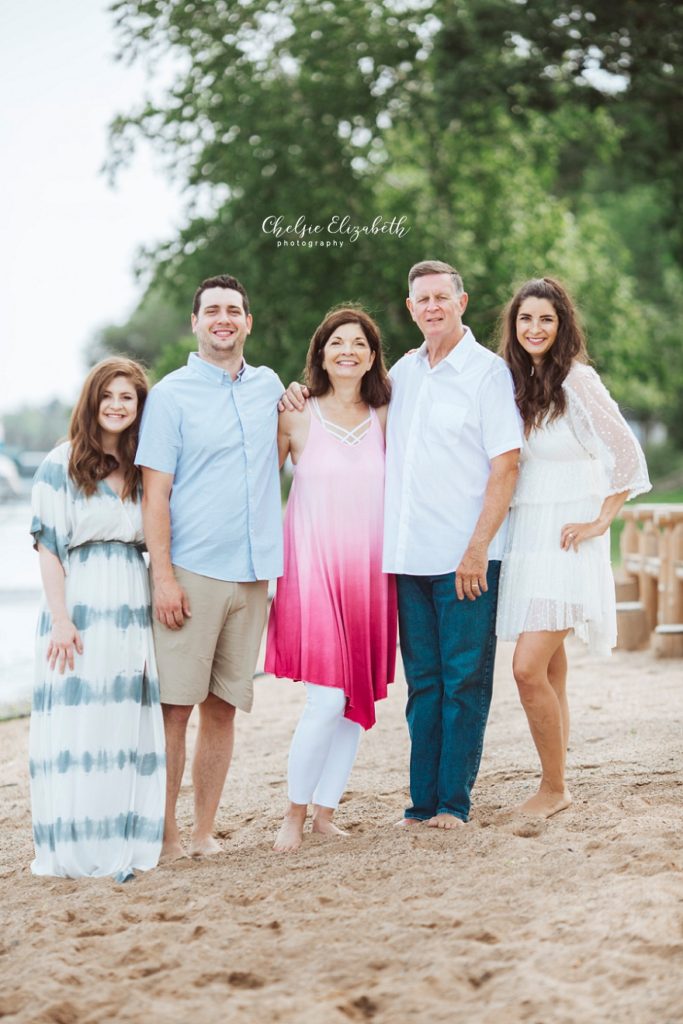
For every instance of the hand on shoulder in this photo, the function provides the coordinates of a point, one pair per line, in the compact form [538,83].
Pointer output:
[290,419]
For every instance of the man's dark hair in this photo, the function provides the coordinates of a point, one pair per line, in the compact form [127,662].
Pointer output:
[221,281]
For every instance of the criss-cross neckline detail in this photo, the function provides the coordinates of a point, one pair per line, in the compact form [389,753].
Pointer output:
[348,437]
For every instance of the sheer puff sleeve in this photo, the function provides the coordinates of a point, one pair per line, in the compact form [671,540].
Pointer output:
[51,503]
[599,426]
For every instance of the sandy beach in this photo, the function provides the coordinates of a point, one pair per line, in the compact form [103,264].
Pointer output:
[578,919]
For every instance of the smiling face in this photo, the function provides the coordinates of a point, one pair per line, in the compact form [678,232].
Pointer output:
[221,325]
[437,308]
[536,324]
[118,407]
[347,354]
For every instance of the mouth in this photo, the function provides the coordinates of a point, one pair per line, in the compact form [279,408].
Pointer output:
[346,362]
[224,333]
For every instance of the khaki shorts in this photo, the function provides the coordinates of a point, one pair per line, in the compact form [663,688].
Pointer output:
[215,651]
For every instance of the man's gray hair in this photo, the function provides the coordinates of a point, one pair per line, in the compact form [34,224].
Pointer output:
[435,267]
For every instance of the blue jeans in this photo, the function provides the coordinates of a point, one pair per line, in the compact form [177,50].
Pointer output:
[448,648]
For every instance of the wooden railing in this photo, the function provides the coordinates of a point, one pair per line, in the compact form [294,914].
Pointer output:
[650,581]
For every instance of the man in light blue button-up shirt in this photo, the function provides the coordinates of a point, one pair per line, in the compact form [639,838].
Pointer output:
[211,508]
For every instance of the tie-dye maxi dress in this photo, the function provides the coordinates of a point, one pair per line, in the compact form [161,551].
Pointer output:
[97,761]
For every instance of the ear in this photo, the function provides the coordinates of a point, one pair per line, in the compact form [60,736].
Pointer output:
[411,310]
[464,299]
[193,321]
[250,321]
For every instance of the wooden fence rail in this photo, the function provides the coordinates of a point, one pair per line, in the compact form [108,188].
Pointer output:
[650,581]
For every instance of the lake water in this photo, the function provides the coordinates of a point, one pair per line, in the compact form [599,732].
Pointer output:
[19,601]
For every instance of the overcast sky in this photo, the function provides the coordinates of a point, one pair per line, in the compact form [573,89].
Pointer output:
[68,239]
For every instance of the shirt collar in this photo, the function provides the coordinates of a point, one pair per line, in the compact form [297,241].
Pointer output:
[214,373]
[457,357]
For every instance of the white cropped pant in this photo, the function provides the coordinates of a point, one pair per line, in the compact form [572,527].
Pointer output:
[323,748]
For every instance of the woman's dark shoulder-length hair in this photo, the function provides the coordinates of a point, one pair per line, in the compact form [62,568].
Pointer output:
[88,462]
[540,394]
[375,387]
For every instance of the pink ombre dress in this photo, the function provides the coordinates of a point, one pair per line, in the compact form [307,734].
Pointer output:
[333,620]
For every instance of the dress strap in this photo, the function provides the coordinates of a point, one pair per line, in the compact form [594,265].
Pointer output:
[348,437]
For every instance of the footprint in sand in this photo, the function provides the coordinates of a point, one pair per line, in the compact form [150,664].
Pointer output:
[530,828]
[243,979]
[362,1008]
[236,979]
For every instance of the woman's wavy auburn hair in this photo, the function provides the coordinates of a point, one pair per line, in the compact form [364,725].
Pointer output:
[375,388]
[540,394]
[88,462]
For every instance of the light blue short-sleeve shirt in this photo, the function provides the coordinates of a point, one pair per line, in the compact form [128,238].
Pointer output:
[218,438]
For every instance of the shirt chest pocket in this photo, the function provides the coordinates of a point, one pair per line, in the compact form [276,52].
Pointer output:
[446,420]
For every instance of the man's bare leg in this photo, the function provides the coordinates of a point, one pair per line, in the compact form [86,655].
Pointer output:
[291,833]
[176,717]
[213,753]
[322,822]
[547,720]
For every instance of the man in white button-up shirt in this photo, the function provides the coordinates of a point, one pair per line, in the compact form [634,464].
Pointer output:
[453,441]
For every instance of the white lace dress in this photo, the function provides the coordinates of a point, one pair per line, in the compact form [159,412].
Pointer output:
[568,467]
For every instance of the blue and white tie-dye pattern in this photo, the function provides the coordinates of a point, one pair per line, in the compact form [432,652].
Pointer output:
[97,761]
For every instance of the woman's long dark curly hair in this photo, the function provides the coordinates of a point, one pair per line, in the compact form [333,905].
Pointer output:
[88,462]
[538,391]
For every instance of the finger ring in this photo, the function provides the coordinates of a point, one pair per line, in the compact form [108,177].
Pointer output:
[475,586]
[572,535]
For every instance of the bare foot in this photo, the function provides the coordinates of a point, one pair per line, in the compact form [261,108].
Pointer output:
[445,821]
[544,804]
[291,833]
[171,849]
[205,846]
[408,822]
[323,824]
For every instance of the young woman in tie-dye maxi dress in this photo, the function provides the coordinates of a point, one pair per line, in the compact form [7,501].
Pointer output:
[97,760]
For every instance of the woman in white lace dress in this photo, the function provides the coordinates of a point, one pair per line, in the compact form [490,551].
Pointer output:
[579,464]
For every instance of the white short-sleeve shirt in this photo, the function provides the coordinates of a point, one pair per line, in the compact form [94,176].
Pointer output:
[445,425]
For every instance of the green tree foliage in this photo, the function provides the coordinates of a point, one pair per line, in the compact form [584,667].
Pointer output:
[517,139]
[36,428]
[156,323]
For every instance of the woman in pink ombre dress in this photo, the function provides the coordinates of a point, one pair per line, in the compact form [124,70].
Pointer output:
[333,620]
